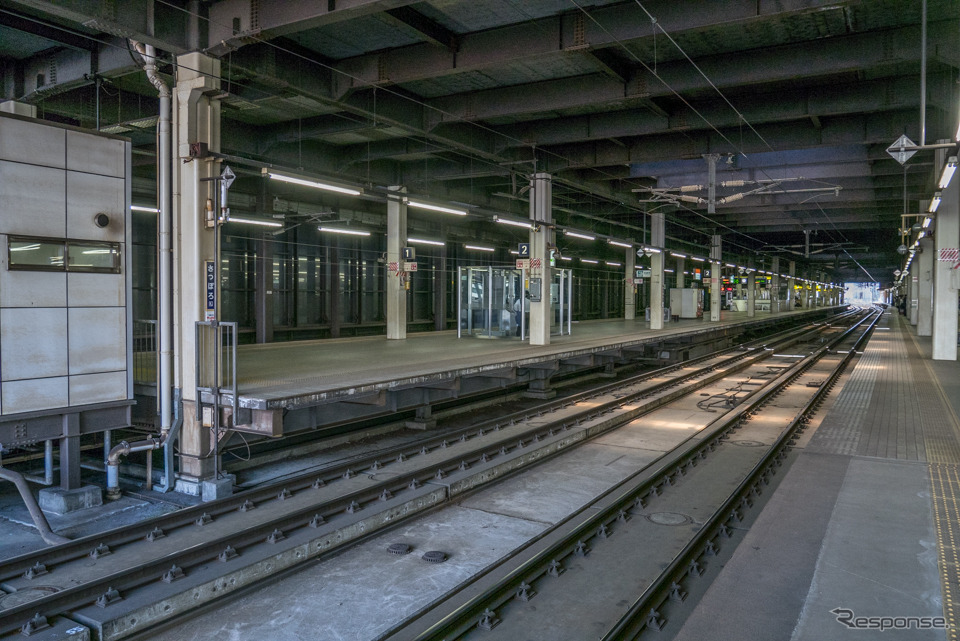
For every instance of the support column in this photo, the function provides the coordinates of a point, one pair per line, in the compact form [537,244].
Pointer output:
[752,294]
[925,268]
[791,292]
[70,462]
[657,229]
[541,213]
[629,289]
[440,290]
[716,280]
[947,236]
[680,280]
[196,115]
[396,241]
[264,288]
[913,306]
[775,286]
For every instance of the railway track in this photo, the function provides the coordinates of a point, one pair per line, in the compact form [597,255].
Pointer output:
[584,578]
[125,581]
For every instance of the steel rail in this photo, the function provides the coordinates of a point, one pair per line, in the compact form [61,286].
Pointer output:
[644,612]
[185,517]
[72,598]
[487,591]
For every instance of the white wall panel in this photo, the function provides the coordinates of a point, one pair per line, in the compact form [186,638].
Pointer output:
[96,290]
[95,154]
[97,339]
[30,289]
[26,142]
[98,388]
[33,343]
[34,394]
[33,200]
[88,195]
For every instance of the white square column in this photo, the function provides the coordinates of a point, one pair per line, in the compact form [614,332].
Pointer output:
[196,119]
[775,286]
[541,238]
[791,283]
[925,264]
[629,289]
[396,241]
[657,235]
[715,279]
[945,277]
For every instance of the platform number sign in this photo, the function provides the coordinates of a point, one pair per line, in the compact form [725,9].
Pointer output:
[210,309]
[409,253]
[523,249]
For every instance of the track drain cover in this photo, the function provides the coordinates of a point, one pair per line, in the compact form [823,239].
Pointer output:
[748,443]
[434,556]
[399,548]
[668,518]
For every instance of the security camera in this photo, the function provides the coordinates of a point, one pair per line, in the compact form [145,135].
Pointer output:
[101,220]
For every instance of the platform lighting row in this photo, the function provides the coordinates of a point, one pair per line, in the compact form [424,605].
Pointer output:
[948,170]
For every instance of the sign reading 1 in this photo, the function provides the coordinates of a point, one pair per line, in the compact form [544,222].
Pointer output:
[523,249]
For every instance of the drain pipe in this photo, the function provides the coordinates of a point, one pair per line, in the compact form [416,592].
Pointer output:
[165,224]
[35,512]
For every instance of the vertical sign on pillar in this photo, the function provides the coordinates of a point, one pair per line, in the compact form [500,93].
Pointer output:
[210,304]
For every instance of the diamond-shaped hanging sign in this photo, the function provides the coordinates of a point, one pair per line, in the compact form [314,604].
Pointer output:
[898,151]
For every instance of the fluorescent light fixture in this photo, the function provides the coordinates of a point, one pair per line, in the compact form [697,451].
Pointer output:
[445,210]
[678,255]
[424,241]
[934,203]
[589,260]
[567,232]
[612,264]
[731,265]
[340,230]
[617,243]
[921,235]
[515,223]
[253,221]
[315,184]
[149,210]
[699,260]
[926,222]
[668,271]
[948,171]
[98,251]
[652,250]
[566,258]
[480,248]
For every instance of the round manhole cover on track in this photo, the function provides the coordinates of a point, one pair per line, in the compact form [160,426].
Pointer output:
[668,518]
[748,443]
[26,595]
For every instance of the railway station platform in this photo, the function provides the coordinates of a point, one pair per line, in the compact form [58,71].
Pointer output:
[860,535]
[282,383]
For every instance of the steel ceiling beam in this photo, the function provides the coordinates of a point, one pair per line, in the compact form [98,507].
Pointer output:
[149,21]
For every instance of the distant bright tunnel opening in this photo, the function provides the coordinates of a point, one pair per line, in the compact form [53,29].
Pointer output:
[862,294]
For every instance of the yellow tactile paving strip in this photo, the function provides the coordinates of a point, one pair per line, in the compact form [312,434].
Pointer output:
[945,486]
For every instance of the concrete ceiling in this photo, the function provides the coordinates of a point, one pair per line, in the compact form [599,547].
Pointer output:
[461,99]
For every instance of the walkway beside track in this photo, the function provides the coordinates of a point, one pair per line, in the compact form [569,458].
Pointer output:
[864,523]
